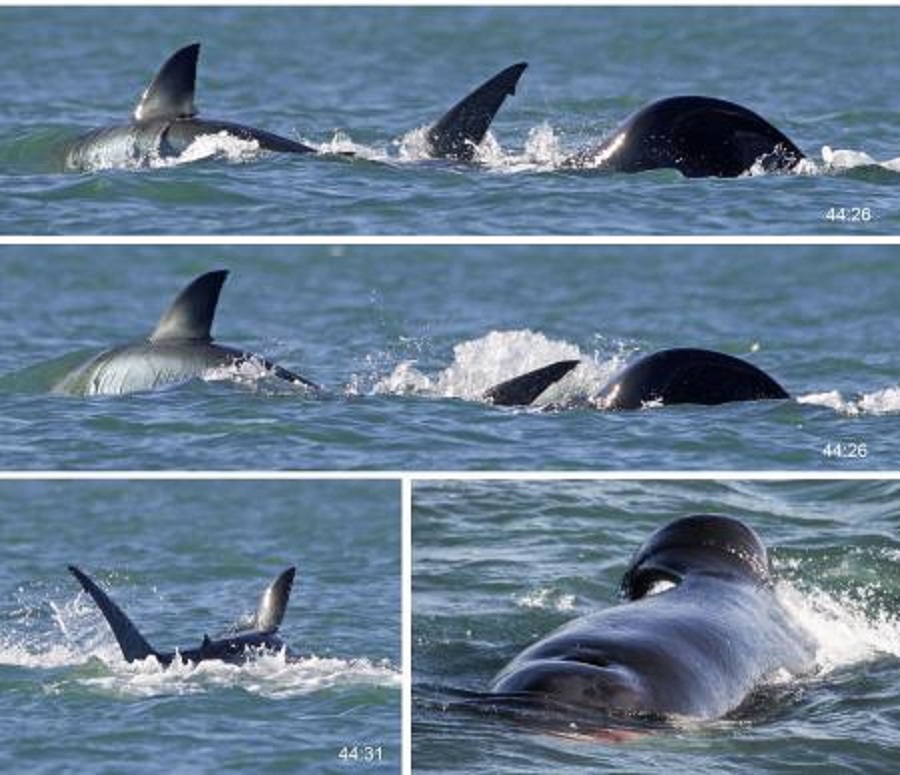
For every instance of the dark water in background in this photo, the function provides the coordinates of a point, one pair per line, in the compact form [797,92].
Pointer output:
[364,78]
[184,559]
[407,338]
[496,565]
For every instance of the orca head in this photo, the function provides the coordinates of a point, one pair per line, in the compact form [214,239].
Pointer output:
[709,544]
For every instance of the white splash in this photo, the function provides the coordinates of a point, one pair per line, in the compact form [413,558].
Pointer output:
[341,144]
[542,150]
[414,145]
[844,631]
[879,402]
[245,372]
[270,675]
[220,145]
[80,639]
[254,374]
[547,599]
[501,355]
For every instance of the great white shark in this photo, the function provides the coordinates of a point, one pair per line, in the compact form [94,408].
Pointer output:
[180,348]
[244,641]
[699,629]
[165,122]
[681,375]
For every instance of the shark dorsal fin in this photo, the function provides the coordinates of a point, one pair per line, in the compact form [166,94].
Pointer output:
[190,316]
[272,605]
[130,640]
[171,93]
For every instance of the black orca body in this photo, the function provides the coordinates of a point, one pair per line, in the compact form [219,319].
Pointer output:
[462,128]
[683,375]
[698,136]
[180,348]
[687,375]
[165,122]
[523,390]
[697,649]
[247,639]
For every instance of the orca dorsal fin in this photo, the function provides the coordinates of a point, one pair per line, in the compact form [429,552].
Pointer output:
[522,390]
[272,605]
[190,316]
[171,92]
[462,128]
[130,640]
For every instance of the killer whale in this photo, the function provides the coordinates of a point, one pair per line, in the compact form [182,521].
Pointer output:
[459,132]
[165,122]
[698,136]
[681,375]
[697,649]
[246,639]
[180,348]
[523,390]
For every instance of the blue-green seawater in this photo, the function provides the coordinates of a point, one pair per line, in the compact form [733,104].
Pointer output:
[364,79]
[497,565]
[405,339]
[184,559]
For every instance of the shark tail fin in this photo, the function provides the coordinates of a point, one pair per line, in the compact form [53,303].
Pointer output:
[463,127]
[170,94]
[190,316]
[272,605]
[522,390]
[130,640]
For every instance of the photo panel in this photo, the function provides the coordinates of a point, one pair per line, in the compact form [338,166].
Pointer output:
[450,358]
[187,624]
[449,121]
[644,625]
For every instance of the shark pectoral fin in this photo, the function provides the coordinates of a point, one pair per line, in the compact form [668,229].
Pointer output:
[522,390]
[463,127]
[130,640]
[171,93]
[190,316]
[293,377]
[273,603]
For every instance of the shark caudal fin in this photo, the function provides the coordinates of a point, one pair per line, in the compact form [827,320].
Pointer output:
[272,605]
[190,316]
[462,128]
[130,640]
[522,390]
[170,94]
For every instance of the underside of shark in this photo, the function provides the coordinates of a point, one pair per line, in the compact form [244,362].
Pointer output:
[698,136]
[180,348]
[165,123]
[683,375]
[244,641]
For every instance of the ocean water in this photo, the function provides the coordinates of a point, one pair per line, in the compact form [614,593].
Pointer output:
[184,558]
[367,80]
[497,565]
[405,339]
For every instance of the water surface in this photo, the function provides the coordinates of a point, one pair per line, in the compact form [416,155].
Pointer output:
[184,559]
[406,339]
[367,80]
